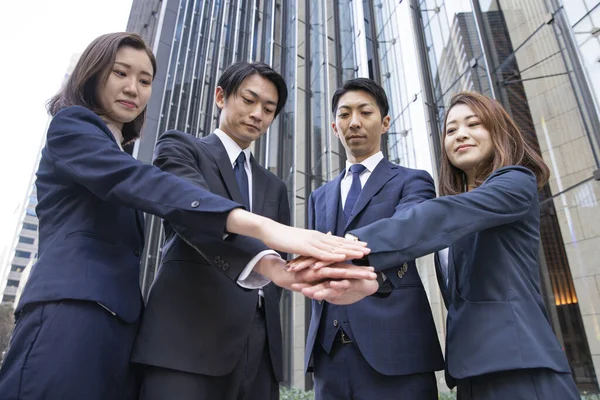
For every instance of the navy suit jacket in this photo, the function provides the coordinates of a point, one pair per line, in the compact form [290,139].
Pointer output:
[197,319]
[496,317]
[91,229]
[396,334]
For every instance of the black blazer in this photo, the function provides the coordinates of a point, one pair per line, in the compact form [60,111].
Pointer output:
[91,195]
[497,320]
[197,318]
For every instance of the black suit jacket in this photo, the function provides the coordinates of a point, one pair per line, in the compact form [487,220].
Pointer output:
[197,317]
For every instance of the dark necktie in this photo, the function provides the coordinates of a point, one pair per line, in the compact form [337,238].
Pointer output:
[242,179]
[355,170]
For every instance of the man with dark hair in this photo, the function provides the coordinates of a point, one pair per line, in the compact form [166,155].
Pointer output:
[384,346]
[214,333]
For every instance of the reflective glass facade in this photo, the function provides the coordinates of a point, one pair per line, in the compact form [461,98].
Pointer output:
[538,57]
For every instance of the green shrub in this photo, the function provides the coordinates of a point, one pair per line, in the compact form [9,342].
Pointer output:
[586,396]
[295,394]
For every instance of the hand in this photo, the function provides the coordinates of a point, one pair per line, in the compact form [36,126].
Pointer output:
[338,271]
[342,292]
[301,262]
[273,268]
[311,243]
[295,240]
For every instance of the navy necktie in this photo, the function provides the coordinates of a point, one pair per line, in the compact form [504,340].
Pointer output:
[356,170]
[242,179]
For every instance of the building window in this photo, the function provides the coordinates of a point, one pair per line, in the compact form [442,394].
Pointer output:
[22,254]
[24,239]
[8,299]
[31,227]
[17,268]
[31,211]
[12,283]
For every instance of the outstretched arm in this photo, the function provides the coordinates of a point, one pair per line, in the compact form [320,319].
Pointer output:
[175,153]
[505,197]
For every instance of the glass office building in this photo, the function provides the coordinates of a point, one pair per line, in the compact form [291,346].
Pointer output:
[539,58]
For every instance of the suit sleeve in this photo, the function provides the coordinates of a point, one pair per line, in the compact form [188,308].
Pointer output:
[506,196]
[175,154]
[284,211]
[82,150]
[311,212]
[416,190]
[283,218]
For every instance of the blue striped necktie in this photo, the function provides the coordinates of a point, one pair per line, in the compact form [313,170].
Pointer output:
[356,170]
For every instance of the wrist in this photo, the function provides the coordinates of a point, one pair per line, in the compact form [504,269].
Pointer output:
[270,266]
[244,223]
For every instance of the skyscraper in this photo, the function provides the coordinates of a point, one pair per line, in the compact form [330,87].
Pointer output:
[23,251]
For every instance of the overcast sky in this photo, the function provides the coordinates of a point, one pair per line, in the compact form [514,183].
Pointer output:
[37,40]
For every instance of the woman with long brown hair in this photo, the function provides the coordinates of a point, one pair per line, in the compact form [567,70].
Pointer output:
[499,341]
[78,315]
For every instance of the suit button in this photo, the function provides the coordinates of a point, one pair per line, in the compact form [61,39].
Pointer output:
[405,267]
[225,267]
[195,203]
[137,252]
[335,322]
[400,273]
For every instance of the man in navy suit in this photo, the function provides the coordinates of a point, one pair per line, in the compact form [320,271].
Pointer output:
[205,335]
[384,346]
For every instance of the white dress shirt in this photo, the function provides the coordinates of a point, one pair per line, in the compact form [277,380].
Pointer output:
[248,279]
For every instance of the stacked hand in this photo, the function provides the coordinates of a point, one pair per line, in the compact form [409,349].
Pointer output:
[329,278]
[321,272]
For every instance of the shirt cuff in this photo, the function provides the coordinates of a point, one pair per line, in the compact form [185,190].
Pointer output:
[249,279]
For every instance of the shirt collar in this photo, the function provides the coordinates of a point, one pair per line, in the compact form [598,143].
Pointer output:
[370,163]
[231,147]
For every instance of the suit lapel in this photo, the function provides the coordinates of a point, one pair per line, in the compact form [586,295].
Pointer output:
[332,198]
[383,172]
[218,152]
[259,187]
